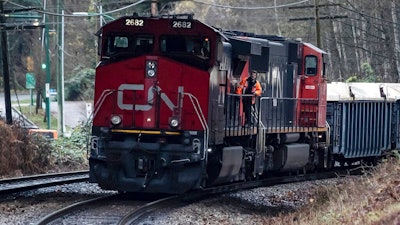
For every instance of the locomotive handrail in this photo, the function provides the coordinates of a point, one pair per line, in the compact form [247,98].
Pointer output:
[328,134]
[202,119]
[100,102]
[235,120]
[284,98]
[288,114]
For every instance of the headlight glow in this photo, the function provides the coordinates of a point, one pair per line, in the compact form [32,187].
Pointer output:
[151,73]
[174,123]
[151,65]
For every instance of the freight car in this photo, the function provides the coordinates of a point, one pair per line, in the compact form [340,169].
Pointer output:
[168,117]
[363,119]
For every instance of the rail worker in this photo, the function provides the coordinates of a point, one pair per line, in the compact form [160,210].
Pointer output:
[249,86]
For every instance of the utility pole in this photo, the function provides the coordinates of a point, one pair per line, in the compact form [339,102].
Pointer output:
[317,25]
[60,67]
[154,8]
[316,18]
[6,73]
[47,68]
[4,49]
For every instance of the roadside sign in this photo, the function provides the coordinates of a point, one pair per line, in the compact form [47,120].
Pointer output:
[47,88]
[88,110]
[30,81]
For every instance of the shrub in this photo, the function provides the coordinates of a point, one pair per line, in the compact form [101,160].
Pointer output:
[21,153]
[71,151]
[80,86]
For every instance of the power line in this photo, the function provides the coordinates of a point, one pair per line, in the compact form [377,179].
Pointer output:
[141,1]
[248,8]
[94,14]
[365,15]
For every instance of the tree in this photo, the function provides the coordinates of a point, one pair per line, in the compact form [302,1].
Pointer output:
[396,34]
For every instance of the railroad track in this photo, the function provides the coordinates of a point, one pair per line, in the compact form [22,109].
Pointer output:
[108,209]
[56,215]
[94,209]
[138,214]
[14,185]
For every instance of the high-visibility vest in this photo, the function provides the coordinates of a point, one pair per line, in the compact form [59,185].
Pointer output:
[256,89]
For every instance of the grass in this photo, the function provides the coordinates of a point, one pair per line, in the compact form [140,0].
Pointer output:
[38,119]
[373,199]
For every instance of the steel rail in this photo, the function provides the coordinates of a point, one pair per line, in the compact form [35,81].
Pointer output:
[138,214]
[19,184]
[66,210]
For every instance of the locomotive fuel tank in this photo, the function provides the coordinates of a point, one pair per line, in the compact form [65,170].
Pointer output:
[291,157]
[226,167]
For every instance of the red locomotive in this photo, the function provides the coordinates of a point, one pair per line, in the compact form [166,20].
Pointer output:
[167,117]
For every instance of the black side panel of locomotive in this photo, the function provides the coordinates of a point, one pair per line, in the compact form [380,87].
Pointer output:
[280,84]
[276,60]
[260,62]
[284,57]
[293,52]
[257,52]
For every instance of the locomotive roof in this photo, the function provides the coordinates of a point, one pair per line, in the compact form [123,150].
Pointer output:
[119,24]
[341,91]
[315,48]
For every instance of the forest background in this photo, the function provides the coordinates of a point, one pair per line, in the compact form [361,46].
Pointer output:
[360,37]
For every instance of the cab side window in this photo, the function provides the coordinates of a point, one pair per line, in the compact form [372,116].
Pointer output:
[311,63]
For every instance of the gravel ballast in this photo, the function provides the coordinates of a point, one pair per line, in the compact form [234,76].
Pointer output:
[244,207]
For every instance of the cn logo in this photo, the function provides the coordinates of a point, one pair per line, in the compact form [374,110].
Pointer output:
[150,97]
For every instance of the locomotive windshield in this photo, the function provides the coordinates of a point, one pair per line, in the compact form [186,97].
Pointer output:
[191,50]
[132,45]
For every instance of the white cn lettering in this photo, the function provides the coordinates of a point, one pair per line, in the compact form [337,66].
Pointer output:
[150,97]
[131,87]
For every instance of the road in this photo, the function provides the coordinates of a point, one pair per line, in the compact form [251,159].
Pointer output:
[74,111]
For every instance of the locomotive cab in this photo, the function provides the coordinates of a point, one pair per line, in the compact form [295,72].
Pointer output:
[151,125]
[312,86]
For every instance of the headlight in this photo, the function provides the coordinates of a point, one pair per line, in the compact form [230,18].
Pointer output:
[151,68]
[151,73]
[151,64]
[116,120]
[174,123]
